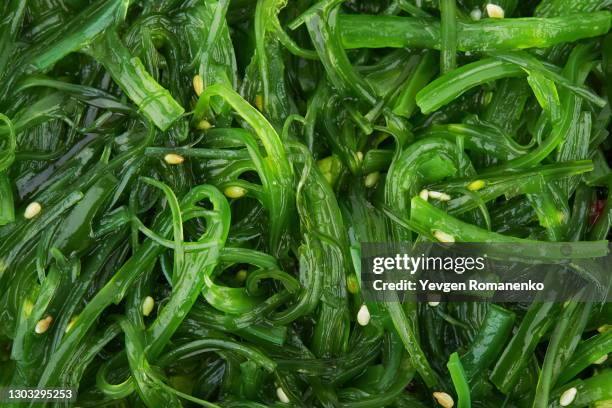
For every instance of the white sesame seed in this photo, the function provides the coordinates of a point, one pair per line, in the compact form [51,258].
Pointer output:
[198,84]
[476,14]
[444,399]
[234,192]
[282,397]
[371,179]
[433,304]
[437,195]
[424,194]
[359,156]
[43,325]
[443,236]
[147,305]
[363,316]
[568,396]
[495,11]
[32,210]
[172,158]
[601,359]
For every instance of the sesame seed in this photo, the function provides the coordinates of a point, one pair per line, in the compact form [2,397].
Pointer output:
[443,236]
[32,210]
[476,185]
[352,284]
[43,325]
[241,275]
[147,305]
[234,192]
[282,397]
[568,396]
[359,156]
[444,399]
[172,158]
[601,359]
[604,328]
[198,84]
[476,14]
[495,11]
[371,179]
[204,125]
[363,316]
[424,194]
[259,102]
[433,304]
[437,195]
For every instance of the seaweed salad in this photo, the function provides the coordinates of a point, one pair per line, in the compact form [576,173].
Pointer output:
[186,185]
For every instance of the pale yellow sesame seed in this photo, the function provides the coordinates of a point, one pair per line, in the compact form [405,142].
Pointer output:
[437,195]
[241,275]
[476,185]
[371,179]
[443,236]
[568,396]
[43,325]
[234,192]
[32,210]
[282,397]
[352,284]
[444,399]
[259,102]
[363,316]
[424,194]
[147,305]
[173,158]
[601,359]
[495,11]
[204,125]
[198,84]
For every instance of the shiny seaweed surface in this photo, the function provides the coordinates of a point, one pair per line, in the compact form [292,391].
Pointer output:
[185,186]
